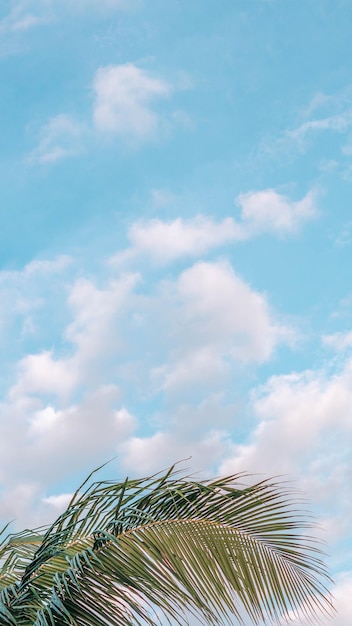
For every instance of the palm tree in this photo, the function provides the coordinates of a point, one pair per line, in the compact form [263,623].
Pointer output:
[138,551]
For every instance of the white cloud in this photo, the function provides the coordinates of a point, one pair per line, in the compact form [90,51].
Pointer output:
[18,503]
[43,374]
[201,367]
[294,412]
[261,212]
[59,138]
[327,114]
[92,338]
[146,455]
[304,432]
[194,329]
[94,331]
[213,323]
[35,268]
[61,440]
[268,211]
[179,350]
[92,427]
[123,100]
[62,411]
[59,503]
[50,445]
[340,341]
[339,123]
[342,593]
[22,296]
[168,241]
[220,309]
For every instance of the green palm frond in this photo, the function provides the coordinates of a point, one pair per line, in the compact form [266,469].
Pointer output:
[122,553]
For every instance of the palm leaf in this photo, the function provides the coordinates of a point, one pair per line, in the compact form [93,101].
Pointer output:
[124,553]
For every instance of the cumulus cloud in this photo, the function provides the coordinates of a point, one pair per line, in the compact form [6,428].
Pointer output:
[261,212]
[90,426]
[220,308]
[61,440]
[97,312]
[124,95]
[181,339]
[153,374]
[304,432]
[92,337]
[268,211]
[146,455]
[43,374]
[63,409]
[168,241]
[125,105]
[59,502]
[50,445]
[35,268]
[216,320]
[198,432]
[294,411]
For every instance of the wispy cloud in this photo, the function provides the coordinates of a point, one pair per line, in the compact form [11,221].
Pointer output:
[325,114]
[61,137]
[26,14]
[339,341]
[338,123]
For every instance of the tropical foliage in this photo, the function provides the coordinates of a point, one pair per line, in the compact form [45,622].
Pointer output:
[142,551]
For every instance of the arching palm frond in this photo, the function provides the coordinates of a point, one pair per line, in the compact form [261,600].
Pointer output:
[124,553]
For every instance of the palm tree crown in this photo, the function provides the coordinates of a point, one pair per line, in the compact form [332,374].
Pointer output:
[131,552]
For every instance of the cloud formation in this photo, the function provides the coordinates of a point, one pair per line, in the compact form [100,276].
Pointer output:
[268,211]
[261,212]
[123,100]
[303,432]
[26,14]
[125,106]
[168,241]
[339,341]
[153,372]
[196,329]
[339,123]
[59,138]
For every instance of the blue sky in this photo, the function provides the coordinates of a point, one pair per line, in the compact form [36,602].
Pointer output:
[175,248]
